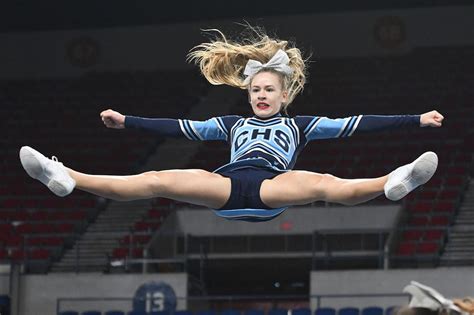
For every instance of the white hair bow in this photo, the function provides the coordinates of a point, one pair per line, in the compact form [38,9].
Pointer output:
[278,62]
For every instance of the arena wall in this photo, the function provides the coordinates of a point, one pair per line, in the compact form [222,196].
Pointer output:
[4,283]
[72,53]
[39,293]
[298,220]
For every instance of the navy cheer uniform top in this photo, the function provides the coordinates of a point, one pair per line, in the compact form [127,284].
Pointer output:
[272,143]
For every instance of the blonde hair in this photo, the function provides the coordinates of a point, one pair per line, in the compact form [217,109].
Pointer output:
[223,61]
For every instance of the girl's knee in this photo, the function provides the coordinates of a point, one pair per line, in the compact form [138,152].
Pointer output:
[155,182]
[335,189]
[321,186]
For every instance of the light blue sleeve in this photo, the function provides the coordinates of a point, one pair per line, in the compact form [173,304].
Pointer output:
[211,129]
[325,128]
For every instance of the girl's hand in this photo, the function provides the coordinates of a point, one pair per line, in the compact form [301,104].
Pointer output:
[431,119]
[113,119]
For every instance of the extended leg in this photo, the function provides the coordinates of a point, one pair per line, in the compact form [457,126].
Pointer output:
[194,186]
[300,187]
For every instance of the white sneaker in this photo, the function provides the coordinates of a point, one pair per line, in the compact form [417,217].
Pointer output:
[407,177]
[50,172]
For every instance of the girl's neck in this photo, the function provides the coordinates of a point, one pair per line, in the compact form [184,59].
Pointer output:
[270,117]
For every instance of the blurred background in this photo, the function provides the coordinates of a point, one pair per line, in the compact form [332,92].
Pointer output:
[62,63]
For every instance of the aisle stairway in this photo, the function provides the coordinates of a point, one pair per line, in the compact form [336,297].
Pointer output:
[460,247]
[90,251]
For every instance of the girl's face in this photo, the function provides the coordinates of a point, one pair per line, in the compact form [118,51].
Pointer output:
[266,94]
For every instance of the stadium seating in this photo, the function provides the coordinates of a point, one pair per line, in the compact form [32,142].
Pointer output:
[325,311]
[301,311]
[60,117]
[375,310]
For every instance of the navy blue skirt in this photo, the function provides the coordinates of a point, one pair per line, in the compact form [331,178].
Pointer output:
[244,202]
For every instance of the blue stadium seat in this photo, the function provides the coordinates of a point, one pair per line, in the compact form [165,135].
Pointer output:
[137,313]
[206,312]
[68,313]
[183,313]
[348,311]
[254,312]
[325,311]
[230,312]
[391,310]
[4,300]
[373,310]
[278,311]
[92,313]
[301,311]
[163,313]
[114,313]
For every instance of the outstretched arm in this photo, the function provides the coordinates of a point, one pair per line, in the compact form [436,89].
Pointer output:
[324,128]
[159,126]
[375,123]
[212,129]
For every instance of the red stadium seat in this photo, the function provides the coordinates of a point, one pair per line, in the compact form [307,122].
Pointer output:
[421,207]
[30,203]
[14,240]
[25,228]
[455,181]
[58,215]
[3,254]
[143,226]
[65,228]
[439,220]
[5,215]
[434,183]
[163,202]
[457,170]
[412,235]
[39,254]
[463,158]
[78,215]
[19,215]
[17,254]
[156,213]
[120,253]
[39,215]
[406,249]
[53,241]
[433,235]
[451,194]
[428,248]
[445,207]
[45,228]
[137,252]
[87,203]
[6,228]
[419,220]
[12,203]
[427,195]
